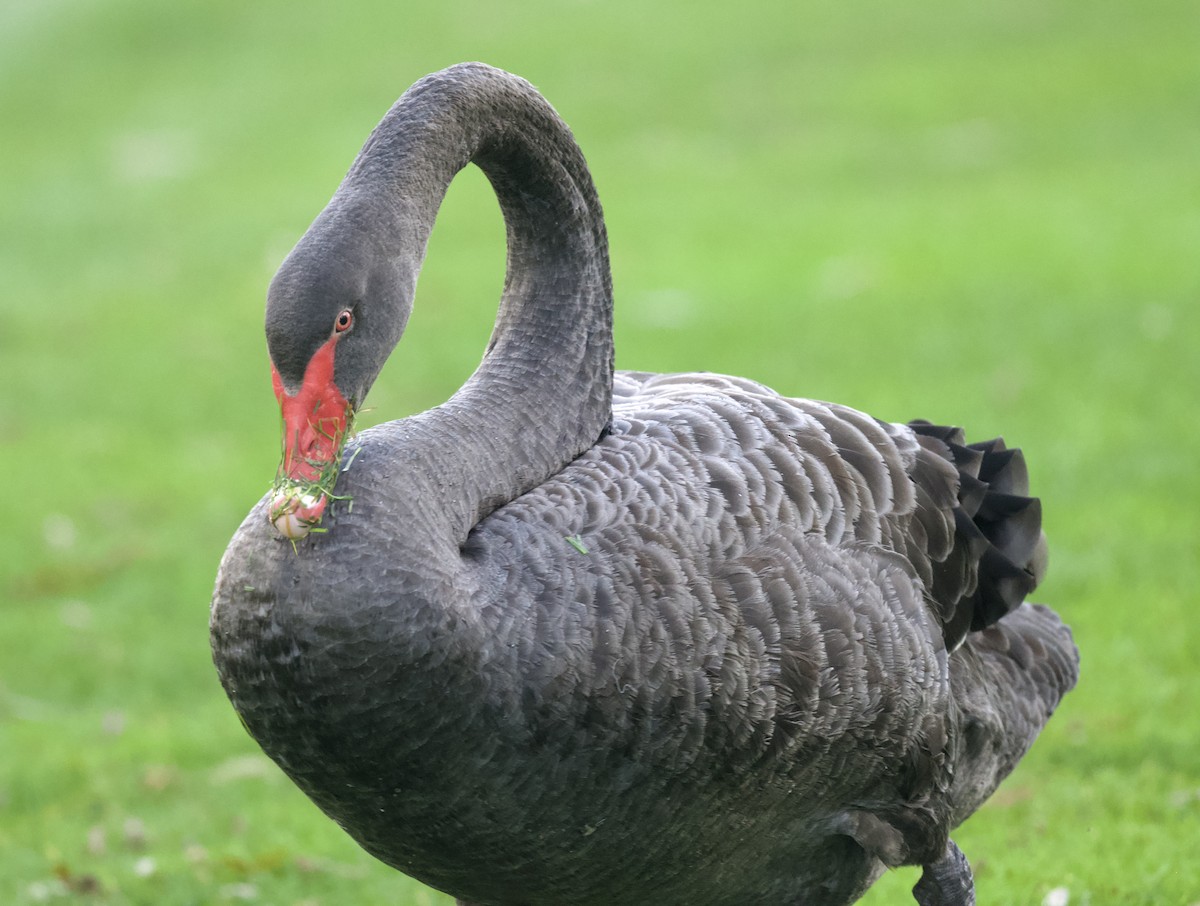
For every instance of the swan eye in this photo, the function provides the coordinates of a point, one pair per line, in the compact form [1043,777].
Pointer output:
[344,319]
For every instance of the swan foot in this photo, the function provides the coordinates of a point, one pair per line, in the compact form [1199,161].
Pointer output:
[946,881]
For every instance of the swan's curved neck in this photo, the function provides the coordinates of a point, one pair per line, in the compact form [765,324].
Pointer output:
[542,394]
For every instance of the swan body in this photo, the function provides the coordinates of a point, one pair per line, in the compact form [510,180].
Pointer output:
[577,637]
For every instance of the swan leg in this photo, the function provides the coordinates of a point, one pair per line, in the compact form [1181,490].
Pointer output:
[947,880]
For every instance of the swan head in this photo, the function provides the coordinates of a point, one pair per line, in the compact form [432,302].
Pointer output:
[335,310]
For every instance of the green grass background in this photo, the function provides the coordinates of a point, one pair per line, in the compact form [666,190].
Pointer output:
[982,214]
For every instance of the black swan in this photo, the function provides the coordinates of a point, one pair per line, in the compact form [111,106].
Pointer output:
[577,637]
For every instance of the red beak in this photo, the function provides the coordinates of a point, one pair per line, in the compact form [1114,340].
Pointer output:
[315,420]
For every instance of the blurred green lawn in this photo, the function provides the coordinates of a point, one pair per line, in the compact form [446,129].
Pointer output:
[986,215]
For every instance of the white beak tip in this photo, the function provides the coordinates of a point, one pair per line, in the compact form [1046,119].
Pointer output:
[295,513]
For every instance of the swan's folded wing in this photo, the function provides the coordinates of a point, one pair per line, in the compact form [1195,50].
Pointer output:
[730,562]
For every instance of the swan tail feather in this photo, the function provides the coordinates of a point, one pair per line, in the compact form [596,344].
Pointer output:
[997,554]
